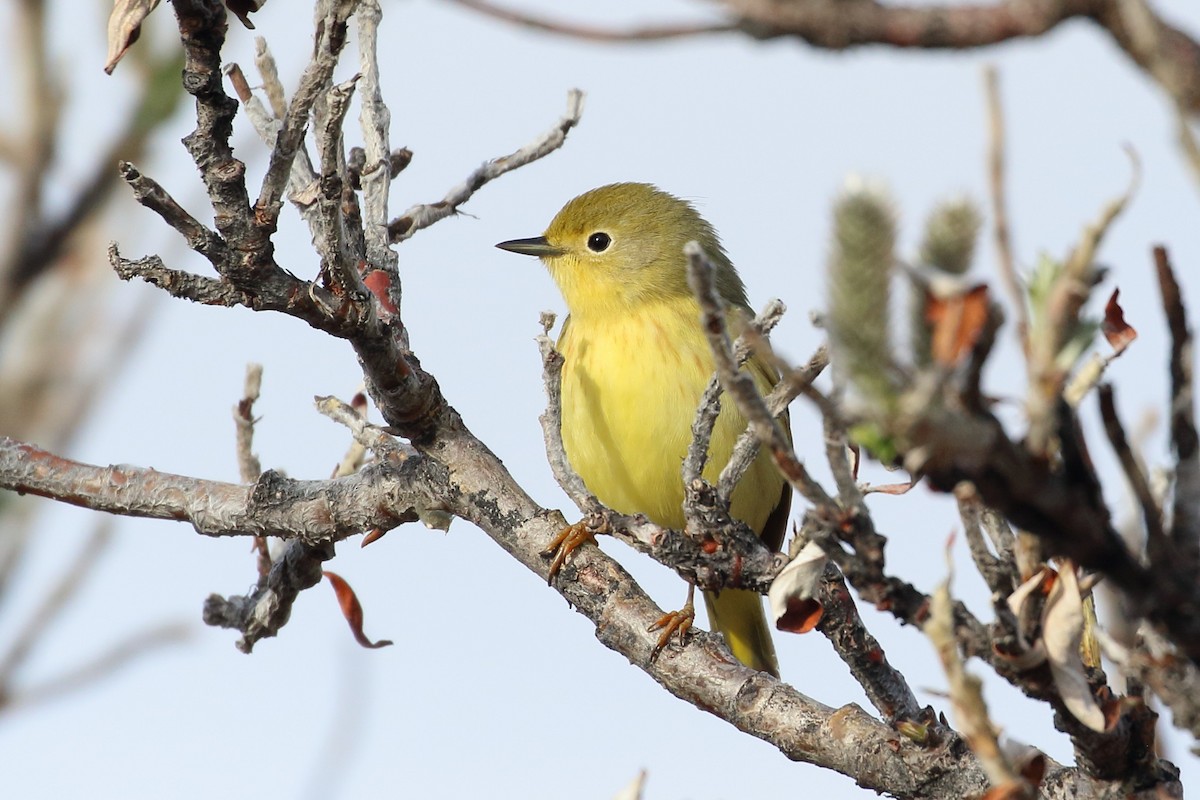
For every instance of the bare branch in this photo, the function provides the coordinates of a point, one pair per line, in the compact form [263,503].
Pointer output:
[313,511]
[177,283]
[966,694]
[249,467]
[1001,233]
[52,605]
[115,658]
[885,686]
[1185,525]
[1157,545]
[551,419]
[314,81]
[740,385]
[154,197]
[376,122]
[710,407]
[649,33]
[264,611]
[422,216]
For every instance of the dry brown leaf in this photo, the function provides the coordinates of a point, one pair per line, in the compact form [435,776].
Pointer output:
[352,610]
[956,322]
[1062,633]
[124,27]
[242,9]
[373,535]
[1117,331]
[791,593]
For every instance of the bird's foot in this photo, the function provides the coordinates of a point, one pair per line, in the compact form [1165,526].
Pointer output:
[568,540]
[675,622]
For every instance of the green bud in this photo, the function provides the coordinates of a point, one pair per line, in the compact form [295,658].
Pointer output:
[950,236]
[860,276]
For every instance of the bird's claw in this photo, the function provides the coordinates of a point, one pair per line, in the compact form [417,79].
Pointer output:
[568,540]
[674,622]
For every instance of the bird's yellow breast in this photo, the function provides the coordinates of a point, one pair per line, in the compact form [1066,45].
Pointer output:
[630,386]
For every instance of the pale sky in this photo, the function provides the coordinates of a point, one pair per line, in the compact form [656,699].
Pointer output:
[494,687]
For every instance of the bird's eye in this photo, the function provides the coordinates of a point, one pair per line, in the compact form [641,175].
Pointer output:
[599,242]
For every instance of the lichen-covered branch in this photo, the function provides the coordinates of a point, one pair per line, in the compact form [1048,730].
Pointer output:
[311,511]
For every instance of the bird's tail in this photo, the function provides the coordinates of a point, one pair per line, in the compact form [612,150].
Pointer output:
[738,615]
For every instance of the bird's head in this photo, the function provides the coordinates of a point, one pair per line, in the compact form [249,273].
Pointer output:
[621,245]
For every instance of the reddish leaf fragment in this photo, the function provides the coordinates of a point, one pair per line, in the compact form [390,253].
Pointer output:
[380,284]
[1013,790]
[1032,767]
[352,610]
[956,323]
[1117,331]
[801,616]
[374,535]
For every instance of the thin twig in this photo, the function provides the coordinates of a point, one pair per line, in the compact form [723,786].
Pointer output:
[793,383]
[709,407]
[739,385]
[966,694]
[106,663]
[422,216]
[177,283]
[153,196]
[999,574]
[314,82]
[375,121]
[1001,234]
[1185,524]
[370,436]
[551,419]
[1157,546]
[303,182]
[648,33]
[312,511]
[886,687]
[249,467]
[53,603]
[340,258]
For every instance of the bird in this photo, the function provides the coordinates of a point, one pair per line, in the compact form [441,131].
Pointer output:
[635,363]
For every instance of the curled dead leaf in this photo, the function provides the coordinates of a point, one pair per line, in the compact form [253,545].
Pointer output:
[1117,331]
[792,592]
[956,322]
[124,27]
[352,610]
[1062,633]
[242,9]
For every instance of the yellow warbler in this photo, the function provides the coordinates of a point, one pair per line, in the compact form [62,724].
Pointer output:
[635,365]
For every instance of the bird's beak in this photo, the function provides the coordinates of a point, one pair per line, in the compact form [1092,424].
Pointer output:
[537,246]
